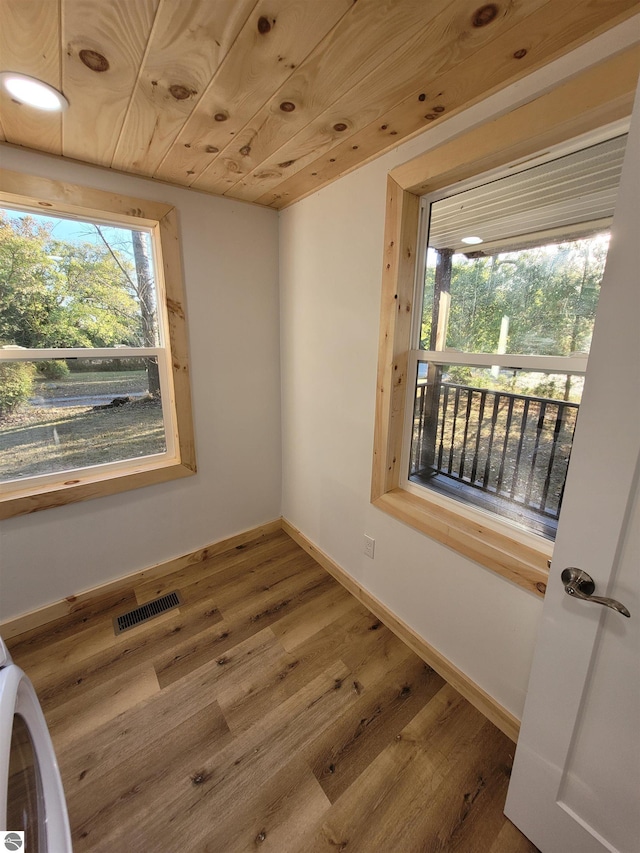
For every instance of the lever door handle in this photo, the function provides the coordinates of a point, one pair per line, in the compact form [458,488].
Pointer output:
[580,585]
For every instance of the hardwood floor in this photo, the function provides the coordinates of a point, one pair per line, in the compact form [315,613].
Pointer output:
[272,711]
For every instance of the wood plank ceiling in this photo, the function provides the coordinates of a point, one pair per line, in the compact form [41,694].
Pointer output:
[268,100]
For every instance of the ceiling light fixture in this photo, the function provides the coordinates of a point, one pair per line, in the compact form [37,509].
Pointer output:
[33,92]
[472,241]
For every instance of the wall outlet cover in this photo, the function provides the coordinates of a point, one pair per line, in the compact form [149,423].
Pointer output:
[369,546]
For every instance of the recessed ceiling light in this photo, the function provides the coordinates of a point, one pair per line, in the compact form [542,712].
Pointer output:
[33,92]
[472,241]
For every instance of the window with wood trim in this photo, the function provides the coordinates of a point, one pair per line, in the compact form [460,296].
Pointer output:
[509,288]
[580,108]
[94,389]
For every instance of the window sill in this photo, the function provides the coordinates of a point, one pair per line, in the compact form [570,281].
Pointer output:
[476,539]
[22,500]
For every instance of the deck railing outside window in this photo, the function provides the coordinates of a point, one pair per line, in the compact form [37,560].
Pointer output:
[500,448]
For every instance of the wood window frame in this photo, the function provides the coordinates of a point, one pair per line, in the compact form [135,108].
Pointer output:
[591,100]
[31,192]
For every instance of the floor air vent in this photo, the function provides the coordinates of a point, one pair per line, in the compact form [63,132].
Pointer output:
[146,611]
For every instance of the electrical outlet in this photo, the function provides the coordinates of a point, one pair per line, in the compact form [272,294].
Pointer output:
[369,546]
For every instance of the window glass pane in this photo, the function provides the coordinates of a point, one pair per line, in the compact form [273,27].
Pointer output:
[498,439]
[538,301]
[62,415]
[514,265]
[69,283]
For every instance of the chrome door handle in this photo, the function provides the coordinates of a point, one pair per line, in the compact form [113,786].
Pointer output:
[580,585]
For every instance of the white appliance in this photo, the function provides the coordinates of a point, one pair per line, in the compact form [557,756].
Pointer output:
[31,794]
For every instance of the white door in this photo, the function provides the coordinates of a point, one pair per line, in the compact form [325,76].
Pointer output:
[575,786]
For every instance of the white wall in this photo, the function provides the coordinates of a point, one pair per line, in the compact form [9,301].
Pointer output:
[330,274]
[230,262]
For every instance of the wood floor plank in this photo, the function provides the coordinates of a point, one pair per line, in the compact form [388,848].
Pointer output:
[244,701]
[270,818]
[467,793]
[480,816]
[28,645]
[188,655]
[242,619]
[270,711]
[278,599]
[243,580]
[231,564]
[137,728]
[378,654]
[239,666]
[510,840]
[77,719]
[306,621]
[257,754]
[139,645]
[386,805]
[358,638]
[141,789]
[73,651]
[281,578]
[356,626]
[348,747]
[245,704]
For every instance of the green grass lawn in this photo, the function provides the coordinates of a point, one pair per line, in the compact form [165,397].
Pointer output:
[38,440]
